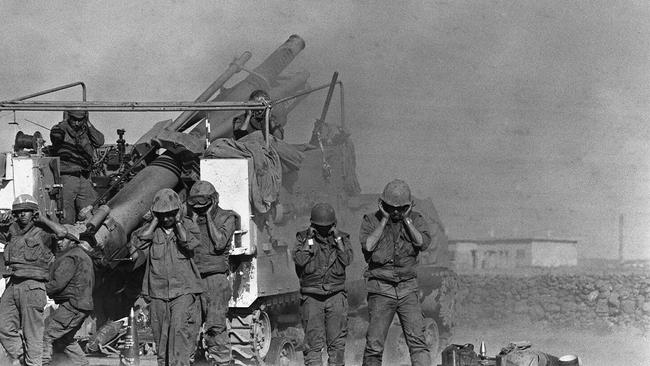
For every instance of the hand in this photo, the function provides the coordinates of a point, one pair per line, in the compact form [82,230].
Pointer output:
[154,221]
[384,214]
[6,218]
[210,209]
[311,233]
[195,217]
[408,211]
[335,232]
[39,216]
[178,219]
[247,120]
[148,216]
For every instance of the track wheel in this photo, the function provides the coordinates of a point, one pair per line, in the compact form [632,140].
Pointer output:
[281,353]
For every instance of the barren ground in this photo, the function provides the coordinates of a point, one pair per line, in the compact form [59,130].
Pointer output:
[597,347]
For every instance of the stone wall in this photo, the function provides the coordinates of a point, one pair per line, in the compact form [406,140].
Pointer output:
[571,297]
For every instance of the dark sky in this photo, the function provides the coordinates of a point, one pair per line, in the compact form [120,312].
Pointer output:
[515,117]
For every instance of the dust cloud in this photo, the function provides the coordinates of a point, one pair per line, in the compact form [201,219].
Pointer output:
[516,118]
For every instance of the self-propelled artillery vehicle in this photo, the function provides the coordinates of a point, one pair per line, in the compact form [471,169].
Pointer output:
[270,183]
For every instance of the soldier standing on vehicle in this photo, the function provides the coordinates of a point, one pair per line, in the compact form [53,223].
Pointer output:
[321,255]
[27,256]
[74,141]
[252,121]
[72,278]
[211,257]
[391,239]
[171,283]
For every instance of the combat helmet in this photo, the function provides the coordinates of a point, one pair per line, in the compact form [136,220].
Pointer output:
[201,192]
[166,200]
[77,114]
[397,193]
[322,214]
[25,202]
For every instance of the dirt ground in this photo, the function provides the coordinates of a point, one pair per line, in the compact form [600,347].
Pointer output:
[598,347]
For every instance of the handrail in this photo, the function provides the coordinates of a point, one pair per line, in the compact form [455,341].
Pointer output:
[101,106]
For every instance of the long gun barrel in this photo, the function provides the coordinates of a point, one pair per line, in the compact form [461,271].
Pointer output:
[236,66]
[262,77]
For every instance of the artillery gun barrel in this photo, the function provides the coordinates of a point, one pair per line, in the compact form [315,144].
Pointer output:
[235,67]
[220,127]
[130,204]
[262,77]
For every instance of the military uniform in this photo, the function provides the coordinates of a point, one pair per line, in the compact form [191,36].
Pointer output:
[27,256]
[211,258]
[75,149]
[72,278]
[393,288]
[324,305]
[173,283]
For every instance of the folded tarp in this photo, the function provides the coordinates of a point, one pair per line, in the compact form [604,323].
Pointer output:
[265,174]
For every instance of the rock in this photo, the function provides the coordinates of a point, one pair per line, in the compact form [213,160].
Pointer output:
[536,313]
[521,307]
[602,308]
[628,306]
[593,295]
[646,307]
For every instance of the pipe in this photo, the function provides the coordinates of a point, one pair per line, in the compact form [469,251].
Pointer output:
[100,106]
[52,90]
[260,78]
[235,67]
[221,121]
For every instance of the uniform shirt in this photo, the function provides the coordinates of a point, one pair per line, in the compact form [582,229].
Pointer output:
[322,270]
[27,253]
[211,256]
[391,265]
[75,148]
[170,271]
[256,124]
[72,278]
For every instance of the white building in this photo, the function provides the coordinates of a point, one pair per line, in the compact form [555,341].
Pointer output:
[512,253]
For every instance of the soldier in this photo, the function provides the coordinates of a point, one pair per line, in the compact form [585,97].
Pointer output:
[211,256]
[171,283]
[252,121]
[391,239]
[321,255]
[27,256]
[73,141]
[72,278]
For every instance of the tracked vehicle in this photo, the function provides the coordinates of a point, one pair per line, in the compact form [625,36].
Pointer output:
[263,315]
